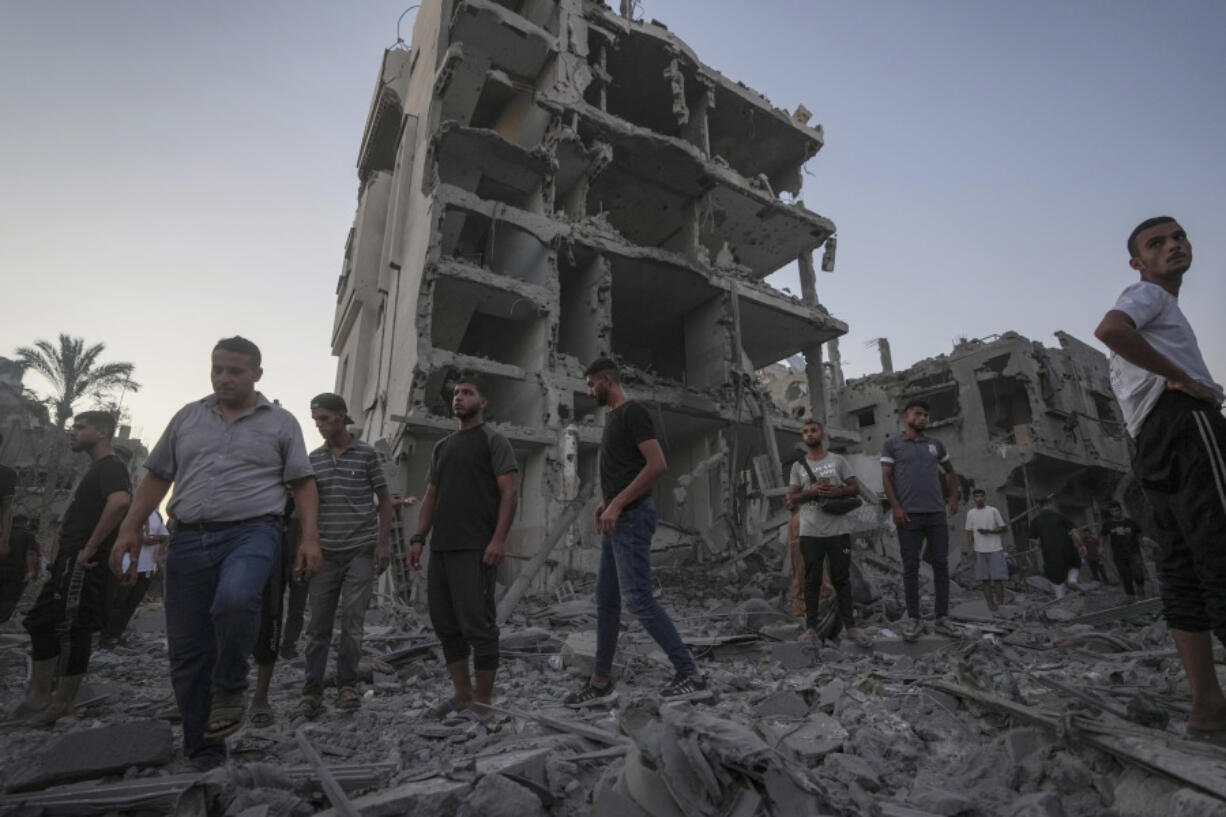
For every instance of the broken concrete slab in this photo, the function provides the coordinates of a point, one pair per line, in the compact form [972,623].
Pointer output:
[851,768]
[785,704]
[1037,804]
[795,655]
[943,802]
[95,753]
[922,646]
[811,740]
[434,797]
[1189,803]
[498,796]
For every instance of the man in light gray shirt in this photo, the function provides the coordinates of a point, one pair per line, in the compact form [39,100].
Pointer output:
[816,479]
[229,457]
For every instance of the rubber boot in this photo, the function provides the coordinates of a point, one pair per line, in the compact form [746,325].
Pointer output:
[62,701]
[989,595]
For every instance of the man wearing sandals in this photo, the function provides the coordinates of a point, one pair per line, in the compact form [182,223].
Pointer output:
[229,457]
[469,503]
[1172,408]
[824,537]
[355,538]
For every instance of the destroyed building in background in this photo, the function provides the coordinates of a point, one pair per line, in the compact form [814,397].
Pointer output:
[546,182]
[1020,420]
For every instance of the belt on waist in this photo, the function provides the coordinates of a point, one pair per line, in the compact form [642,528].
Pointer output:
[213,527]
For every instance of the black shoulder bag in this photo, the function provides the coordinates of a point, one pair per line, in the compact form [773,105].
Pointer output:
[836,505]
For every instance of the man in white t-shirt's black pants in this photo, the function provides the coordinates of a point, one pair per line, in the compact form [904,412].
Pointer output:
[1172,408]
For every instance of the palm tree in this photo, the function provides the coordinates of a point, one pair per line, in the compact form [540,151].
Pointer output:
[74,372]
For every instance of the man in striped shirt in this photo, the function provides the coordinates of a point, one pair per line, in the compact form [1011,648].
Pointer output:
[356,544]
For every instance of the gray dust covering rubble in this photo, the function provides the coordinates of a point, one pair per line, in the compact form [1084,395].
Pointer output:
[543,182]
[1070,707]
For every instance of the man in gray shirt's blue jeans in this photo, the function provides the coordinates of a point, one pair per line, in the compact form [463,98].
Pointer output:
[229,456]
[911,466]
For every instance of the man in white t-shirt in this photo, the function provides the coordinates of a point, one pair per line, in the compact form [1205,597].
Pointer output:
[1172,409]
[984,526]
[123,599]
[817,478]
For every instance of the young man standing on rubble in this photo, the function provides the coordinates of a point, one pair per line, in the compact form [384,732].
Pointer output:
[1058,539]
[356,539]
[229,457]
[1172,409]
[984,525]
[469,503]
[631,462]
[72,603]
[911,471]
[824,537]
[1124,537]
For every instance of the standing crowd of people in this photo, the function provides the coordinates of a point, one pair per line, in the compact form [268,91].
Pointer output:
[255,518]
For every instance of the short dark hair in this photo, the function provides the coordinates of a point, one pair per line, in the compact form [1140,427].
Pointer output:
[979,491]
[104,421]
[472,379]
[812,421]
[603,365]
[1112,505]
[913,403]
[1142,227]
[240,346]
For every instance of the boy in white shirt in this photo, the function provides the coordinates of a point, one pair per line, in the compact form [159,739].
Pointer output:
[984,526]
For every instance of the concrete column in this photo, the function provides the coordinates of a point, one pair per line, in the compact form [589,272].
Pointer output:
[817,383]
[834,409]
[808,279]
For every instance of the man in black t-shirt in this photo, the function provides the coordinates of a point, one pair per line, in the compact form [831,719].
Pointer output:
[71,605]
[1124,536]
[17,567]
[469,502]
[1059,541]
[631,461]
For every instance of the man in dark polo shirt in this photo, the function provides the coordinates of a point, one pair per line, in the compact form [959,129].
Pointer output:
[911,466]
[631,462]
[469,502]
[72,603]
[1124,536]
[356,541]
[229,457]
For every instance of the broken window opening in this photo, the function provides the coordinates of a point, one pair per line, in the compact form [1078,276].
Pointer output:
[512,401]
[581,308]
[496,245]
[1006,408]
[943,404]
[470,319]
[541,13]
[644,87]
[1104,408]
[866,417]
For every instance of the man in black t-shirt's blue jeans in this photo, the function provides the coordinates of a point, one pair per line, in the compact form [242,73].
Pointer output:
[469,502]
[72,603]
[630,463]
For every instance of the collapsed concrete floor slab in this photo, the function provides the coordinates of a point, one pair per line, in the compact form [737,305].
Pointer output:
[1071,707]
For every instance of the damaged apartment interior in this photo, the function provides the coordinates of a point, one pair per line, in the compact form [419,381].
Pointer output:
[545,182]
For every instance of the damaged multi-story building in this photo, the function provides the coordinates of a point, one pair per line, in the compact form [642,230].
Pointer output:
[543,182]
[1020,420]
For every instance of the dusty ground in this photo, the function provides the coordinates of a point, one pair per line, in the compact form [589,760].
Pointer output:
[793,729]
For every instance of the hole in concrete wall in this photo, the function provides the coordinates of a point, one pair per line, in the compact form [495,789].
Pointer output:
[865,417]
[541,13]
[518,402]
[638,90]
[996,364]
[579,316]
[485,322]
[943,404]
[584,407]
[1006,405]
[499,246]
[1104,408]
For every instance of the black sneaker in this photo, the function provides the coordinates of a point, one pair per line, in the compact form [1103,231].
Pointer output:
[591,695]
[686,687]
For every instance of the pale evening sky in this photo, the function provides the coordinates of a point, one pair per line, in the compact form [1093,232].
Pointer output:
[174,172]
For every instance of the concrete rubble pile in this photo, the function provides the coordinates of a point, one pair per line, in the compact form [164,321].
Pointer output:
[1069,707]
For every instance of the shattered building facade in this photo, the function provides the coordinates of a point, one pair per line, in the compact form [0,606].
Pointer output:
[1020,420]
[543,182]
